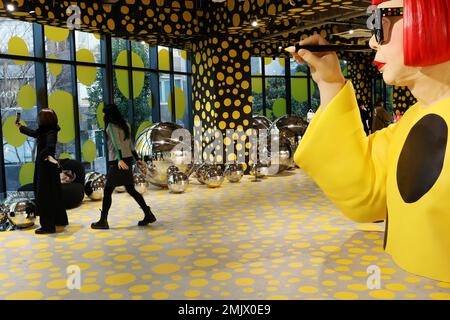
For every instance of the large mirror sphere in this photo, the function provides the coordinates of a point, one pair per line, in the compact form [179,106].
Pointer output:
[22,214]
[160,151]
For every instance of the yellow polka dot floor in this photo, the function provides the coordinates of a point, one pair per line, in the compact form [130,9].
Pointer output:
[276,239]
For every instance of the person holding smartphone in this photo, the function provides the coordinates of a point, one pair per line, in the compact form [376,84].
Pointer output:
[46,182]
[121,152]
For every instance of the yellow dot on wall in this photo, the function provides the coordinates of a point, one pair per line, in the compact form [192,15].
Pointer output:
[56,34]
[18,47]
[236,115]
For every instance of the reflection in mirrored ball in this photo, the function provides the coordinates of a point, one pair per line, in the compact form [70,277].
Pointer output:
[178,182]
[140,184]
[213,177]
[160,151]
[234,172]
[22,214]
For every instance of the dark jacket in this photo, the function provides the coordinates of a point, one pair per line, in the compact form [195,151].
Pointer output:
[381,119]
[47,182]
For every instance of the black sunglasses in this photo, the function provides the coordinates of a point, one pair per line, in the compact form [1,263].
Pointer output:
[375,20]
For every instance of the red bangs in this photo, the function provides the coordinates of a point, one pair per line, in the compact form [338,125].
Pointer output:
[377,2]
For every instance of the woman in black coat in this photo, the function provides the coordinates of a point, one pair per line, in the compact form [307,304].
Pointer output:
[120,153]
[47,183]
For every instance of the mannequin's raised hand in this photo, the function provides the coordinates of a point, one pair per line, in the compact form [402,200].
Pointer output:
[325,68]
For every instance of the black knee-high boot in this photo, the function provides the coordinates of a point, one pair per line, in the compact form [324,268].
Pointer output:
[107,199]
[149,216]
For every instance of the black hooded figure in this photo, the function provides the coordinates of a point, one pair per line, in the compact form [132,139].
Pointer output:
[47,182]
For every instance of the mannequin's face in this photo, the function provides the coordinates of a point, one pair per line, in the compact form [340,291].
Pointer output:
[390,53]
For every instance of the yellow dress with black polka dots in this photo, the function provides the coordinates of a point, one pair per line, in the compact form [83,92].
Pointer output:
[401,174]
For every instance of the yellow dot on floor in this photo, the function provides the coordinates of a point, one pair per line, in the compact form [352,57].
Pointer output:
[43,255]
[166,268]
[89,288]
[308,289]
[160,295]
[180,252]
[329,283]
[221,276]
[93,254]
[164,239]
[197,273]
[301,245]
[17,243]
[258,271]
[192,293]
[140,288]
[220,250]
[244,281]
[116,296]
[117,242]
[382,294]
[295,265]
[151,247]
[171,286]
[205,262]
[198,283]
[346,296]
[25,295]
[3,276]
[120,279]
[412,280]
[440,296]
[395,287]
[57,284]
[40,246]
[330,249]
[277,298]
[357,287]
[40,265]
[124,257]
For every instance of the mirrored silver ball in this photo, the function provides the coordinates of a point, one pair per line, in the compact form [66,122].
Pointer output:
[234,172]
[140,184]
[213,177]
[178,182]
[22,214]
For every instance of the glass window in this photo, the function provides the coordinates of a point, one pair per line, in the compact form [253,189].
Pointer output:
[256,65]
[61,100]
[143,104]
[163,58]
[16,37]
[276,98]
[164,94]
[274,67]
[88,47]
[299,89]
[57,44]
[121,90]
[90,106]
[18,94]
[119,52]
[140,55]
[179,60]
[181,101]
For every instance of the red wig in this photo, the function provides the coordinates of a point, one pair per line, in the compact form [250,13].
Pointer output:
[426,31]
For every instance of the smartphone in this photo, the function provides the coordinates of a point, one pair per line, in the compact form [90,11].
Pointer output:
[18,117]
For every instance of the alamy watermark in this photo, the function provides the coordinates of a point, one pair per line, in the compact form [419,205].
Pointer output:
[73,277]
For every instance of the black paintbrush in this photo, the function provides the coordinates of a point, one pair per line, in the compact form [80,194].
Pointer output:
[327,47]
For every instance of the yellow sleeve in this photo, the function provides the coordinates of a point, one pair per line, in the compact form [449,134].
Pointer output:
[346,164]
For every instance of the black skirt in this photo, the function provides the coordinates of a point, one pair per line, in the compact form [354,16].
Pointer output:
[118,177]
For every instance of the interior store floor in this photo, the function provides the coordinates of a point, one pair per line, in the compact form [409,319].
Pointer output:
[276,239]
